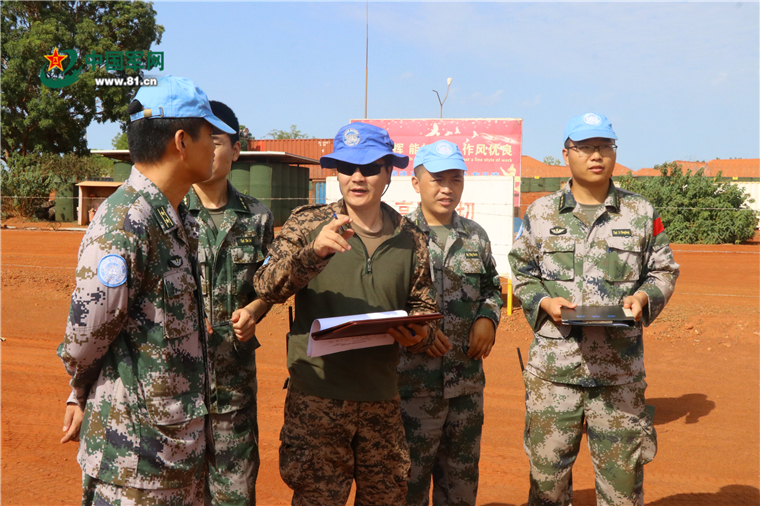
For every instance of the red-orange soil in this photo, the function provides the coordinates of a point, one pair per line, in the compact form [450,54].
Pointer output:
[701,360]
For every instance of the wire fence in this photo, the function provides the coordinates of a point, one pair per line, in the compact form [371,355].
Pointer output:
[507,213]
[312,199]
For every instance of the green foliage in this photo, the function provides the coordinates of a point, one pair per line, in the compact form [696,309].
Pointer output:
[38,119]
[120,141]
[550,160]
[27,181]
[24,187]
[293,133]
[693,206]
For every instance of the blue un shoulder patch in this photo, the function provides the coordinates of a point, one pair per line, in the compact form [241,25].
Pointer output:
[112,270]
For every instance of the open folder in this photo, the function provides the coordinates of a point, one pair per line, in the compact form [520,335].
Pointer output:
[352,332]
[598,316]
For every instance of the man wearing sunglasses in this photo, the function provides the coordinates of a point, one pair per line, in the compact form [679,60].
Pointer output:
[593,244]
[342,415]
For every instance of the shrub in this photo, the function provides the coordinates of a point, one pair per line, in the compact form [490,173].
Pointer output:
[26,181]
[696,209]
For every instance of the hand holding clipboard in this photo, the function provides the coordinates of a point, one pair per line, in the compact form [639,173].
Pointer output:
[331,335]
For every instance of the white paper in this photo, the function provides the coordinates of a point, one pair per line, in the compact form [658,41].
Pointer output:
[329,346]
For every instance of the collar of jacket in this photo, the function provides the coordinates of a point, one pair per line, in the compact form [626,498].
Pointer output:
[339,207]
[567,201]
[457,224]
[235,201]
[165,214]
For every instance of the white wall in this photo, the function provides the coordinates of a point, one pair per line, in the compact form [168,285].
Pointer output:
[753,188]
[486,200]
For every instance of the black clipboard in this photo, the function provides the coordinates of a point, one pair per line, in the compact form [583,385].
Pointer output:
[373,327]
[598,316]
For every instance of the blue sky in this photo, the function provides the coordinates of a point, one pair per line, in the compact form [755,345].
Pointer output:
[678,80]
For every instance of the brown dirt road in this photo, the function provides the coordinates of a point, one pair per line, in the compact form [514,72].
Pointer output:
[701,356]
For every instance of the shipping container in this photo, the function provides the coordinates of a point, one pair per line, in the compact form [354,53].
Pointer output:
[318,190]
[311,148]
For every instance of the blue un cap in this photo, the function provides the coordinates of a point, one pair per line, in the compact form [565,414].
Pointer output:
[176,97]
[588,126]
[360,144]
[440,156]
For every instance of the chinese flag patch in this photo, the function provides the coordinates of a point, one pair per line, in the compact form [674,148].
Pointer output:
[658,226]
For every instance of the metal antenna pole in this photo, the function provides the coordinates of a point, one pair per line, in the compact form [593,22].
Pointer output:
[366,65]
[448,84]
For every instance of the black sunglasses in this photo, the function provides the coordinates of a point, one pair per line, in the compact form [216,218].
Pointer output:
[370,169]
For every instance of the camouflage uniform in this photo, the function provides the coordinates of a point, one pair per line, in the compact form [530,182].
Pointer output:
[135,349]
[442,397]
[342,416]
[228,259]
[591,373]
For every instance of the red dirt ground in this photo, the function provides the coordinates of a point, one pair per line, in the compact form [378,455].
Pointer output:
[701,358]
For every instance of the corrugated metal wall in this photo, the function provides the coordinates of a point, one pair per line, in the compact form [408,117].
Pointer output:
[311,148]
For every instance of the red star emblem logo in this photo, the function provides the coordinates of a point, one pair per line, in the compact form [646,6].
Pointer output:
[55,59]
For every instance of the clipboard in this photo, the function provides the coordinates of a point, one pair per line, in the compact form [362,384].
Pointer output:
[372,327]
[598,316]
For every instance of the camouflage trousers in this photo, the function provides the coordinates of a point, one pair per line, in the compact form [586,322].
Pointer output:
[100,493]
[232,457]
[620,433]
[327,443]
[444,441]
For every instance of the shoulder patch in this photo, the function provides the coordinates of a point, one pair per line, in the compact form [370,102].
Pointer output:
[558,231]
[112,270]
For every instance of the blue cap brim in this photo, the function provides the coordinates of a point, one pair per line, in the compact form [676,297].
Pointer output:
[360,156]
[434,166]
[219,124]
[591,134]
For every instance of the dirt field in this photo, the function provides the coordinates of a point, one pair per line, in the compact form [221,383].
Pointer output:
[701,359]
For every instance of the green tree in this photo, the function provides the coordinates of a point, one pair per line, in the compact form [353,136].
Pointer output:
[38,119]
[696,209]
[26,181]
[120,141]
[550,160]
[293,133]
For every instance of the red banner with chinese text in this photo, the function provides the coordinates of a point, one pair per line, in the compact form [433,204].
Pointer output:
[490,146]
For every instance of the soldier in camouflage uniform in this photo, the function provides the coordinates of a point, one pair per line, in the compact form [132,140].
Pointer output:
[589,244]
[342,416]
[235,233]
[442,389]
[134,342]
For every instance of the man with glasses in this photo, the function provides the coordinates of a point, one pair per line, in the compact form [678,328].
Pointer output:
[342,415]
[593,244]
